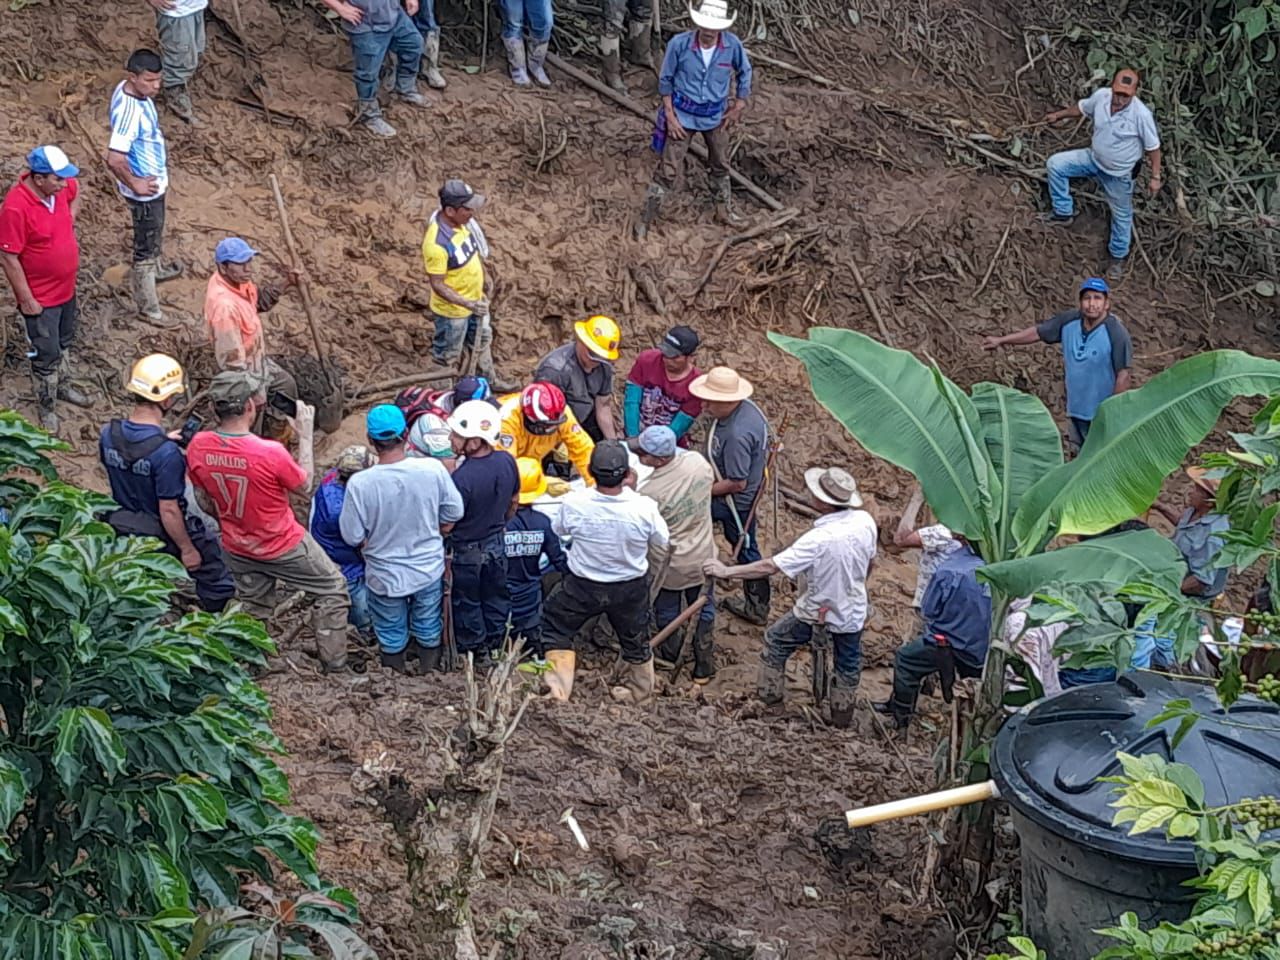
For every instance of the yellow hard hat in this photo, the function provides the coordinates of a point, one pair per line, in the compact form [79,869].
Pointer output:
[600,334]
[532,483]
[156,377]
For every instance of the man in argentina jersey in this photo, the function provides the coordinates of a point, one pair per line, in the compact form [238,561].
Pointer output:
[138,158]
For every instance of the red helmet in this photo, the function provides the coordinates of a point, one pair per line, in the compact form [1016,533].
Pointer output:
[543,407]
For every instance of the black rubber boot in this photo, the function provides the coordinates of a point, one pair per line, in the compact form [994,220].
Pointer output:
[900,713]
[429,658]
[843,698]
[668,651]
[704,661]
[392,661]
[771,683]
[754,605]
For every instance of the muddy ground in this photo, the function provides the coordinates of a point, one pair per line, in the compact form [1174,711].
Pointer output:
[723,804]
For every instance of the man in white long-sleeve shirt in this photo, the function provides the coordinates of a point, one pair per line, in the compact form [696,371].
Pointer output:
[612,529]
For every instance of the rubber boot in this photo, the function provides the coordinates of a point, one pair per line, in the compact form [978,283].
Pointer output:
[179,101]
[843,697]
[637,683]
[516,61]
[428,658]
[168,271]
[771,683]
[46,388]
[392,661]
[66,389]
[369,116]
[612,61]
[559,678]
[753,606]
[649,212]
[145,297]
[640,44]
[722,194]
[431,60]
[704,661]
[538,63]
[901,713]
[668,651]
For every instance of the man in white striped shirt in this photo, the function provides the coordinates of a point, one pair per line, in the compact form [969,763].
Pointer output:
[137,156]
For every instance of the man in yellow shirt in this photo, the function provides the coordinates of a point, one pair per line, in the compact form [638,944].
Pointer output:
[453,252]
[537,421]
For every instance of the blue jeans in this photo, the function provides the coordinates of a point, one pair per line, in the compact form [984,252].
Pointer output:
[517,13]
[669,604]
[370,48]
[1070,677]
[395,618]
[721,514]
[425,18]
[480,601]
[790,633]
[1119,191]
[359,616]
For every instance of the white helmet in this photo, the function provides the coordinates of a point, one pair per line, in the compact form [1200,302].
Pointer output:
[429,437]
[476,418]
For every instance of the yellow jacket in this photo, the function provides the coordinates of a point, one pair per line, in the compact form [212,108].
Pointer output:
[519,442]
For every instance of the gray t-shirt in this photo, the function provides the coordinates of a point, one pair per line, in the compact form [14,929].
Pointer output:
[737,447]
[395,510]
[1121,138]
[561,367]
[378,15]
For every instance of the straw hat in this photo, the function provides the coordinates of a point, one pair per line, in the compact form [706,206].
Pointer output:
[712,15]
[1197,476]
[833,485]
[721,383]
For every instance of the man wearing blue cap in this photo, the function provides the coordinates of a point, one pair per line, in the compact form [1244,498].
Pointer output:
[40,256]
[1096,353]
[398,513]
[232,305]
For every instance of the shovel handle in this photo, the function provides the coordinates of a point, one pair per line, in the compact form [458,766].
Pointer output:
[941,800]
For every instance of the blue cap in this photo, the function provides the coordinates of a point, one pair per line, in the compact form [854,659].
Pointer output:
[233,250]
[51,159]
[1097,285]
[471,388]
[385,422]
[658,441]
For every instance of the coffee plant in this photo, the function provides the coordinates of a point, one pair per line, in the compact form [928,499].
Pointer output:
[138,794]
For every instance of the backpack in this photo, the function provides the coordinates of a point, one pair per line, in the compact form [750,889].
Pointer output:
[415,401]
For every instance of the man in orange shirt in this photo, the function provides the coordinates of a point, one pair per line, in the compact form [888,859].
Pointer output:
[232,305]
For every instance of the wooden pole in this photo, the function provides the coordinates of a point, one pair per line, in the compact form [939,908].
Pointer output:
[696,148]
[304,289]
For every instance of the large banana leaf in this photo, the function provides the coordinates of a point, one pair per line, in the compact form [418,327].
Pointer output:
[1116,560]
[891,404]
[1138,439]
[1023,444]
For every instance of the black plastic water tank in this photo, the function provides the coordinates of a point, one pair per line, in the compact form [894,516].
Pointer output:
[1079,873]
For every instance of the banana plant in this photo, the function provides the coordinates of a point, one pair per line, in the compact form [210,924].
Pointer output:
[991,466]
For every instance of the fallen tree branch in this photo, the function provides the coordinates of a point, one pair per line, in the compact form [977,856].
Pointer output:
[756,231]
[435,373]
[696,148]
[870,302]
[995,257]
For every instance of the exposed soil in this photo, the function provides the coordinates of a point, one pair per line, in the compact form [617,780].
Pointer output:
[703,815]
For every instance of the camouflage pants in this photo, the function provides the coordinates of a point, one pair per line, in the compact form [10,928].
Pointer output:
[615,14]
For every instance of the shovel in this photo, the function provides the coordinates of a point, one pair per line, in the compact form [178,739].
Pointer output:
[329,402]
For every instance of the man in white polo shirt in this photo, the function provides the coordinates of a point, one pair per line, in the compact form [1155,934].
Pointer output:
[1124,130]
[834,559]
[137,155]
[613,529]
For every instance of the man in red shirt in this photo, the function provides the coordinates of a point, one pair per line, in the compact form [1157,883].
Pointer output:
[247,481]
[40,256]
[657,393]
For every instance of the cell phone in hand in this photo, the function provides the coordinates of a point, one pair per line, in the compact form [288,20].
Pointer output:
[284,403]
[193,423]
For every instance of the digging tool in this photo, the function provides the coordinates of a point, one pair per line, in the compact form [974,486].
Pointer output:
[925,803]
[820,654]
[329,404]
[685,615]
[449,660]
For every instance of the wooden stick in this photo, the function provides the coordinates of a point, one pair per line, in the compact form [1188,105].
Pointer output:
[870,302]
[697,149]
[436,373]
[1004,237]
[685,615]
[942,800]
[757,230]
[303,288]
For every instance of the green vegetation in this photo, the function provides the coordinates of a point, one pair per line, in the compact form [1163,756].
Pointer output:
[137,787]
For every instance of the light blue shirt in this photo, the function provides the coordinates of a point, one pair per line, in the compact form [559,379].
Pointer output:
[1091,360]
[135,132]
[684,73]
[395,510]
[1199,541]
[1121,138]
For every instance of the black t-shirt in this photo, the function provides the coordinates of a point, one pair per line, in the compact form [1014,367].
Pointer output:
[487,485]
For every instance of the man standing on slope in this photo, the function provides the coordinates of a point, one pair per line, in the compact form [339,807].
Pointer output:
[376,28]
[1096,353]
[180,26]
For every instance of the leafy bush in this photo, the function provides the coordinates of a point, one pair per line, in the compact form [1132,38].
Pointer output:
[136,779]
